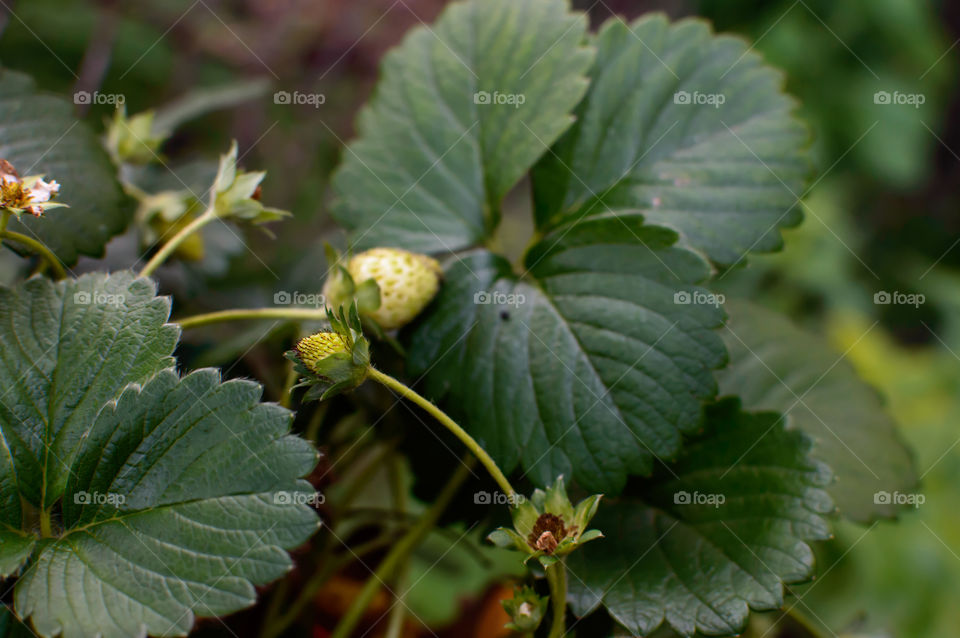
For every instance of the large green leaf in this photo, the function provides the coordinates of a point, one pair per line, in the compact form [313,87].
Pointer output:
[710,536]
[432,160]
[168,497]
[776,366]
[40,134]
[652,138]
[585,366]
[68,348]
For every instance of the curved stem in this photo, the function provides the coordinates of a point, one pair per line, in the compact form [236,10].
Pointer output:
[408,393]
[240,314]
[37,246]
[400,552]
[167,249]
[557,580]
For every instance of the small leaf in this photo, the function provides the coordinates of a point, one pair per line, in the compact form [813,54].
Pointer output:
[776,366]
[437,150]
[40,135]
[717,533]
[688,129]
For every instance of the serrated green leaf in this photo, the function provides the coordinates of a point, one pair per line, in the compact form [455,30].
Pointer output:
[68,348]
[40,134]
[167,498]
[587,366]
[776,366]
[172,511]
[436,153]
[652,138]
[675,553]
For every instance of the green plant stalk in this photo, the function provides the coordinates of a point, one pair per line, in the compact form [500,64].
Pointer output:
[557,580]
[408,393]
[4,220]
[37,246]
[240,314]
[401,552]
[46,527]
[167,249]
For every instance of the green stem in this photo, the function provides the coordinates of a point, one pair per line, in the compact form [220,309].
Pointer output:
[408,393]
[557,580]
[46,528]
[400,552]
[4,220]
[167,249]
[240,314]
[37,246]
[287,396]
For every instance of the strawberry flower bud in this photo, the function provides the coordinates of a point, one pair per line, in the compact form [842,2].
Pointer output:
[548,526]
[526,609]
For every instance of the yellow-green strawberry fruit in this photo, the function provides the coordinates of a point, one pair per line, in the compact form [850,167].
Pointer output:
[407,281]
[319,346]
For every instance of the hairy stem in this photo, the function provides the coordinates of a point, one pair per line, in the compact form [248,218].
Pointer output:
[400,552]
[408,393]
[557,580]
[168,248]
[30,242]
[240,314]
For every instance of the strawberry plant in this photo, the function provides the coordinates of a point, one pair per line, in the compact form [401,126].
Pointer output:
[646,454]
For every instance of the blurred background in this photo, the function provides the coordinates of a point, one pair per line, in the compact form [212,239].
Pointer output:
[881,216]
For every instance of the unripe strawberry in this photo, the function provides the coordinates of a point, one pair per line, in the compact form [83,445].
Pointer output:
[317,347]
[407,281]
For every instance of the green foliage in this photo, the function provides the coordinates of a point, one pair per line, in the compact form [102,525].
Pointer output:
[174,496]
[436,152]
[587,367]
[776,366]
[40,135]
[717,531]
[685,129]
